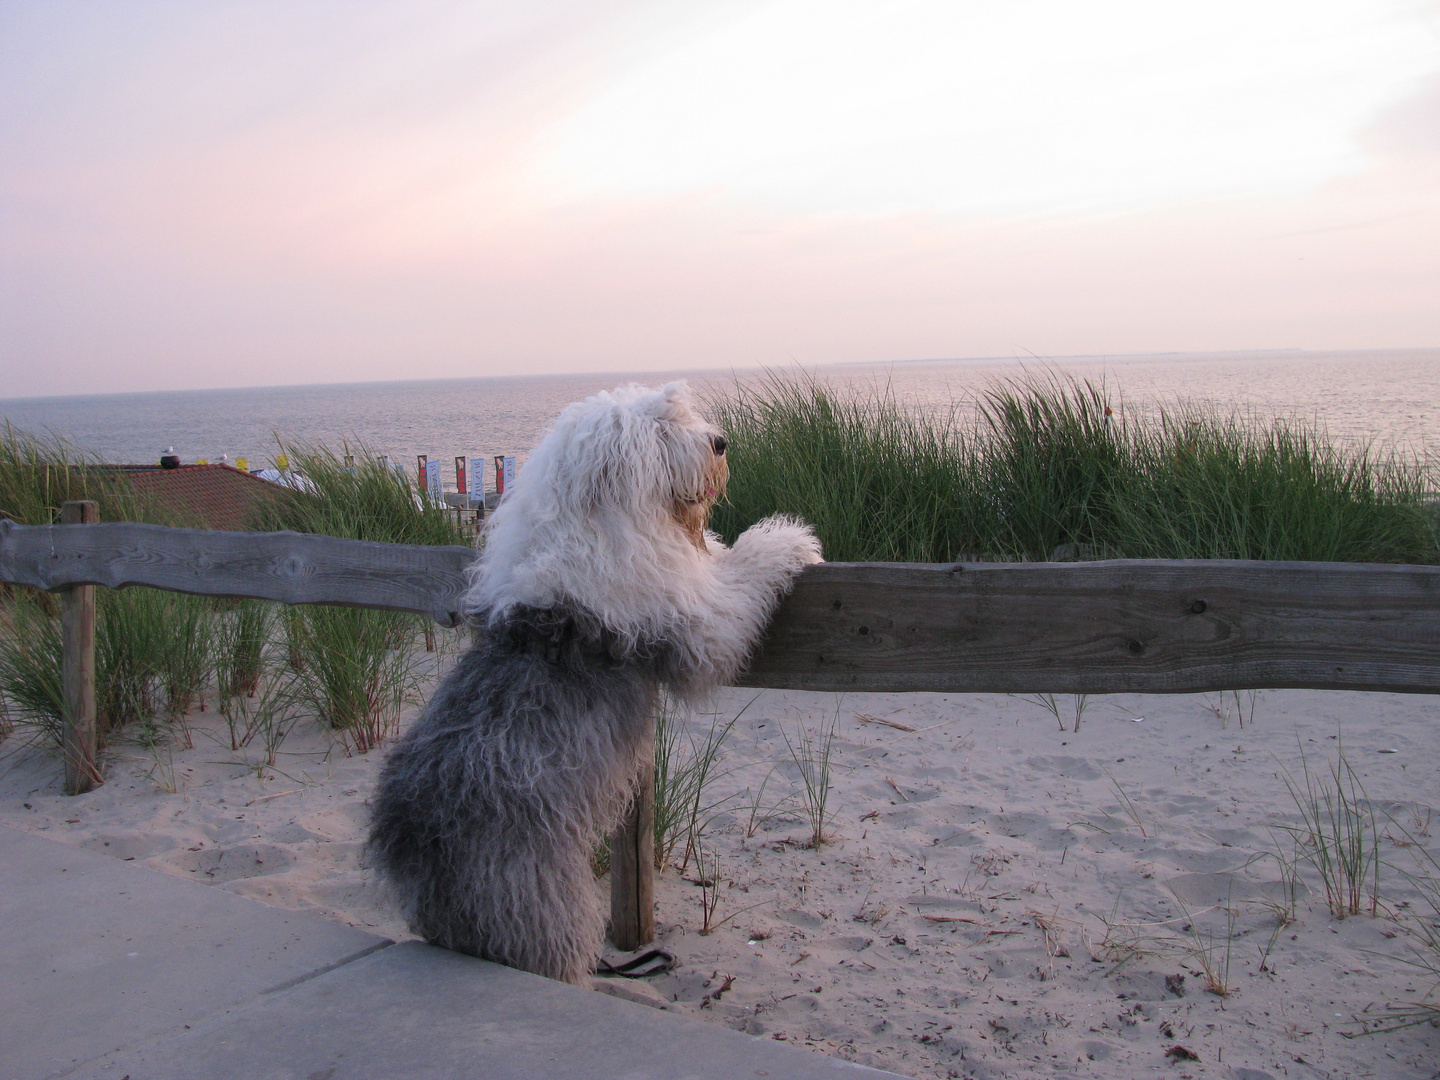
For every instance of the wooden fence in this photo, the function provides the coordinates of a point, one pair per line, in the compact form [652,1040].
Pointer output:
[1150,626]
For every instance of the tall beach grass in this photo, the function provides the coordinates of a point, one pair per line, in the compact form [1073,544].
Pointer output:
[354,668]
[38,473]
[1050,467]
[158,653]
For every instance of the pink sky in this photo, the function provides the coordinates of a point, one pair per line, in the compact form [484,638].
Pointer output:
[229,194]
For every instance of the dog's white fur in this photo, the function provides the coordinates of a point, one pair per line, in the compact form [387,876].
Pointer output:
[596,586]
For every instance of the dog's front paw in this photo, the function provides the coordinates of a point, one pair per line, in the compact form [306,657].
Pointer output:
[784,542]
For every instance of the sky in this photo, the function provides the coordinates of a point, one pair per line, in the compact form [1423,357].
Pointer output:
[265,193]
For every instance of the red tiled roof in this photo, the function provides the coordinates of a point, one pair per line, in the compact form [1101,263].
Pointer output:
[204,496]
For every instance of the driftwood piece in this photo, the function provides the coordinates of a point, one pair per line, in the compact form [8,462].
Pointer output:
[294,568]
[1106,627]
[80,737]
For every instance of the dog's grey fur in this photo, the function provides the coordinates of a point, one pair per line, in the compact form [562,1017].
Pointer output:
[488,811]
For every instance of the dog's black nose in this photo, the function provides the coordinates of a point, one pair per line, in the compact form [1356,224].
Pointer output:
[717,443]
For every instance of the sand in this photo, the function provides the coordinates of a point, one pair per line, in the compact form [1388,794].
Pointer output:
[996,896]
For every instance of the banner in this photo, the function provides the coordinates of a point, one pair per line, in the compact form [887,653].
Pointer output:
[461,488]
[504,473]
[477,481]
[432,482]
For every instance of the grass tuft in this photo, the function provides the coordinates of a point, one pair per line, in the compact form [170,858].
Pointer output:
[1339,835]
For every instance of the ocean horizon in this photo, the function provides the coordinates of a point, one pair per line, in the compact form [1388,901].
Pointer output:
[1386,398]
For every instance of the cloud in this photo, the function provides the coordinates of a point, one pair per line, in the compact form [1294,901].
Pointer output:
[1410,128]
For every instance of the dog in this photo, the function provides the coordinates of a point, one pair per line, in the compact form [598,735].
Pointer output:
[598,585]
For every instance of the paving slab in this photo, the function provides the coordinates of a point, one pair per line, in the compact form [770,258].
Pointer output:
[421,1013]
[97,954]
[109,970]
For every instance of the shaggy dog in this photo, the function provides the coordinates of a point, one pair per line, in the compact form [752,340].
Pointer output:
[597,585]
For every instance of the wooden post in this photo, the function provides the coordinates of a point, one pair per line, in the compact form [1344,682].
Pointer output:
[632,870]
[77,629]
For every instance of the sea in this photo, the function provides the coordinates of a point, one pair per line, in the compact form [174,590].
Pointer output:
[1388,400]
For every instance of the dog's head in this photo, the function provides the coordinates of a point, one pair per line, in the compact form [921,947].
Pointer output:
[633,456]
[613,498]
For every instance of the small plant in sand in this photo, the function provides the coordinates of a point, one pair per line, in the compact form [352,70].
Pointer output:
[1127,804]
[1051,704]
[162,772]
[1237,703]
[1421,925]
[1176,939]
[758,813]
[1209,951]
[1338,835]
[707,865]
[710,880]
[812,755]
[1282,900]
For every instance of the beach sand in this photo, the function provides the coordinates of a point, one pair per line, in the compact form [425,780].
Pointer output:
[996,896]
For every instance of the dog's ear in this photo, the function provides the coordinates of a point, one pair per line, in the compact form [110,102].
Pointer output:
[617,459]
[671,402]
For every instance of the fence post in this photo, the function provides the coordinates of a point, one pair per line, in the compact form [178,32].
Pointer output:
[632,870]
[77,629]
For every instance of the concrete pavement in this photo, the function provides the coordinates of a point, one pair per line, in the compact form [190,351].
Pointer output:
[110,970]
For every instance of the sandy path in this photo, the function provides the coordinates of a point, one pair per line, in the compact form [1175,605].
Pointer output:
[997,897]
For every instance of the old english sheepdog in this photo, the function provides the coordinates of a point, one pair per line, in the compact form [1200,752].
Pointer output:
[597,585]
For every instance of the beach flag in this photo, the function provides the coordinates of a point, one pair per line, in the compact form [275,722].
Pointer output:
[432,481]
[504,472]
[477,481]
[421,460]
[461,488]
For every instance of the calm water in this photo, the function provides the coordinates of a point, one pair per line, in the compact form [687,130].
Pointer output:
[1386,397]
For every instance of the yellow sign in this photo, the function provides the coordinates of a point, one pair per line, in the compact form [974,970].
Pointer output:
[283,462]
[243,464]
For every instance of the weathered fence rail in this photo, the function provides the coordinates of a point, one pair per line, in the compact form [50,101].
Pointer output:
[1100,627]
[293,568]
[1140,626]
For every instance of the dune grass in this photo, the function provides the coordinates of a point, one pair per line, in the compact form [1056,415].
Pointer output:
[365,501]
[1050,467]
[157,653]
[355,668]
[39,473]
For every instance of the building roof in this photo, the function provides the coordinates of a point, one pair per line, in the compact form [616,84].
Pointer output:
[203,496]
